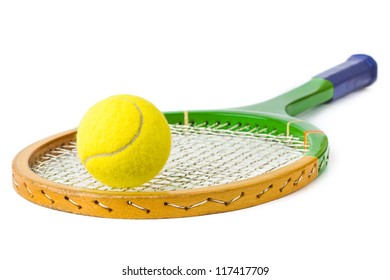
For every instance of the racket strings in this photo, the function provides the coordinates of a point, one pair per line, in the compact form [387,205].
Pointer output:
[202,155]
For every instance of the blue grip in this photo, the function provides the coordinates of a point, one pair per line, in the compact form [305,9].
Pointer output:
[357,72]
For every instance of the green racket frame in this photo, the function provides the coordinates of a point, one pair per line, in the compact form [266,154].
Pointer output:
[276,114]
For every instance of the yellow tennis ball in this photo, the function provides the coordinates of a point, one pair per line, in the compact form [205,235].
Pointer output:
[123,141]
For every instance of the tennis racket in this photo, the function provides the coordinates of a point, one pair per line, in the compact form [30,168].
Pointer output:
[221,160]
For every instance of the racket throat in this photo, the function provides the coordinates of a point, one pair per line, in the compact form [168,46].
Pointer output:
[311,94]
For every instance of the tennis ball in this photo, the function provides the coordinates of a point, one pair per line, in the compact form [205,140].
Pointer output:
[123,141]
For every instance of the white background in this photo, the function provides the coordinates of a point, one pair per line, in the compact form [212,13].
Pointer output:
[59,58]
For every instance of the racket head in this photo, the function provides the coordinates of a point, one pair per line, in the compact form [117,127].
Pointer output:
[270,121]
[193,201]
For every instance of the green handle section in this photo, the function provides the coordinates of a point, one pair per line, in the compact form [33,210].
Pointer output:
[315,92]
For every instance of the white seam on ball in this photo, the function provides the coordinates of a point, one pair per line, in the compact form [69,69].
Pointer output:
[141,122]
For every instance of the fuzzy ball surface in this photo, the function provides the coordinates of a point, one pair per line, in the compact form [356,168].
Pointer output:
[123,141]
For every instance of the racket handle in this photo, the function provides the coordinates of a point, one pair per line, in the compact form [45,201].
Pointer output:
[357,72]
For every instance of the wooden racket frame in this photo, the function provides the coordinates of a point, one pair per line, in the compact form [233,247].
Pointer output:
[357,72]
[145,205]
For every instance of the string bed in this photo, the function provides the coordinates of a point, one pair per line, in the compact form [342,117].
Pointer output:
[202,155]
